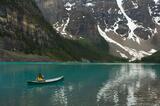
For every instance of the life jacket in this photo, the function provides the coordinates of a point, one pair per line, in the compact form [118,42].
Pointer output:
[40,78]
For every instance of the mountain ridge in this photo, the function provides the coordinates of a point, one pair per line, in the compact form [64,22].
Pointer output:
[25,33]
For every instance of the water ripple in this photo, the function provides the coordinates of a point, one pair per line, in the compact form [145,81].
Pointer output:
[125,84]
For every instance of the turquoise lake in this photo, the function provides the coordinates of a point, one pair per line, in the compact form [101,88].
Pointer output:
[84,84]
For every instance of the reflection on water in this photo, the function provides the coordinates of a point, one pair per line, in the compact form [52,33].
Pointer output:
[59,97]
[127,86]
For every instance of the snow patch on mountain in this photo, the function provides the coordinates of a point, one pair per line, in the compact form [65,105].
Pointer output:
[110,11]
[132,26]
[152,51]
[89,5]
[157,20]
[156,1]
[135,5]
[153,11]
[62,28]
[68,6]
[133,52]
[115,27]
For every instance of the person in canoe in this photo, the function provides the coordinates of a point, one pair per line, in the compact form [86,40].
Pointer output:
[40,77]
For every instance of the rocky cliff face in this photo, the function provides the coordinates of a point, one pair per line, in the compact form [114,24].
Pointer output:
[131,27]
[23,29]
[14,24]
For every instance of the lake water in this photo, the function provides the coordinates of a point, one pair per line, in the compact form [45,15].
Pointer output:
[83,85]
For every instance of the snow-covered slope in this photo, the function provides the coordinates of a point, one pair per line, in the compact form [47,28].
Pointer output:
[131,27]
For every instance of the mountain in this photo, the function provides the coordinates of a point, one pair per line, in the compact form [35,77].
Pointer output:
[130,27]
[25,35]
